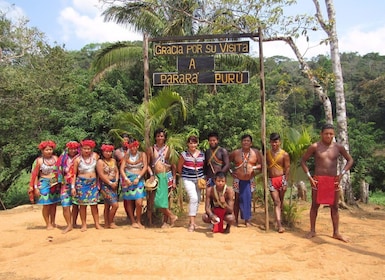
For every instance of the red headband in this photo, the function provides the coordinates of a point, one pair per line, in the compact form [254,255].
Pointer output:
[107,148]
[90,143]
[45,144]
[72,145]
[134,144]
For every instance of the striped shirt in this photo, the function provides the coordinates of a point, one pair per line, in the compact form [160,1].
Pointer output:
[193,166]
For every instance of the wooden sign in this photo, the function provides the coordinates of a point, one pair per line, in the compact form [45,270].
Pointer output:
[201,78]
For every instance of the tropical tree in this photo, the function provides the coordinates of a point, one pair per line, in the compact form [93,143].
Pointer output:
[164,110]
[342,127]
[295,144]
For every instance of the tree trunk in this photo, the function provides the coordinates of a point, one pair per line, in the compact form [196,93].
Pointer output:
[323,97]
[342,128]
[364,190]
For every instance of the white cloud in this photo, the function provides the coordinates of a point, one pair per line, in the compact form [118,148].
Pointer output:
[357,40]
[83,22]
[11,11]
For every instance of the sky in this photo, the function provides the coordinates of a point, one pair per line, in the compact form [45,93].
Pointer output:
[76,23]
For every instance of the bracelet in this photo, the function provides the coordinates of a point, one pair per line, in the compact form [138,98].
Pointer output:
[110,183]
[308,174]
[343,172]
[72,187]
[138,177]
[35,187]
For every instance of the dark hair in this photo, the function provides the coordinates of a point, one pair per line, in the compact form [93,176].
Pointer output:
[219,174]
[274,136]
[192,139]
[125,135]
[244,136]
[327,126]
[160,130]
[213,134]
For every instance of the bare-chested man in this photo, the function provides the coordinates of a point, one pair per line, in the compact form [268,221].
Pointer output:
[219,204]
[247,162]
[160,166]
[326,154]
[278,167]
[217,159]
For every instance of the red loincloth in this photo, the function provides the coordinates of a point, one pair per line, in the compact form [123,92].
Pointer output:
[220,212]
[326,189]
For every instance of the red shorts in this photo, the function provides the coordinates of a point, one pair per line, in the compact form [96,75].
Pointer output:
[275,183]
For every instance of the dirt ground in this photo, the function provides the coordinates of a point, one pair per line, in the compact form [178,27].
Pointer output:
[29,251]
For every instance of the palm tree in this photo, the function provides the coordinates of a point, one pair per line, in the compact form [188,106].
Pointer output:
[155,18]
[295,144]
[164,110]
[116,55]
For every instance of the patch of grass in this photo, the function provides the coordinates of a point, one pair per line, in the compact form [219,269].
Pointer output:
[377,197]
[292,213]
[17,193]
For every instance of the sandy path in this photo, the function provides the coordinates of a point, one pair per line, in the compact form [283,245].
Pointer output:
[28,251]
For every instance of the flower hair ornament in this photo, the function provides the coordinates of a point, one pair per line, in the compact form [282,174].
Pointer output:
[89,143]
[107,148]
[134,144]
[45,144]
[72,145]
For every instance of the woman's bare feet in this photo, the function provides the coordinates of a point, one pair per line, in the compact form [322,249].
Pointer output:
[83,228]
[281,229]
[98,226]
[113,225]
[135,225]
[67,229]
[50,227]
[173,220]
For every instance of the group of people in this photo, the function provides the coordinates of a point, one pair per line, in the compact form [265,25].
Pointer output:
[79,175]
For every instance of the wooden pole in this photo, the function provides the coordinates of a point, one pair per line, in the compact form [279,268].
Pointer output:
[146,70]
[263,126]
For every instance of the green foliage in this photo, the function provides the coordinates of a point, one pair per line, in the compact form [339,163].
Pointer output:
[292,213]
[17,193]
[377,197]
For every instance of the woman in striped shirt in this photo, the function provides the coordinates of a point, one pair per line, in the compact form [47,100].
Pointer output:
[190,167]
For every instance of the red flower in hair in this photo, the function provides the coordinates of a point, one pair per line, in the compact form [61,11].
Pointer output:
[89,143]
[107,148]
[48,143]
[134,144]
[72,145]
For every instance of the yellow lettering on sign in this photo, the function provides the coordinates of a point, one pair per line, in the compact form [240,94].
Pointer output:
[170,50]
[192,64]
[210,48]
[178,78]
[194,49]
[234,47]
[228,78]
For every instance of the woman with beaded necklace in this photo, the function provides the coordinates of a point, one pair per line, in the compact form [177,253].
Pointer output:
[132,168]
[84,188]
[108,173]
[65,175]
[44,182]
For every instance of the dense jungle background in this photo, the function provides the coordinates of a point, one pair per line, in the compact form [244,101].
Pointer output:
[47,92]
